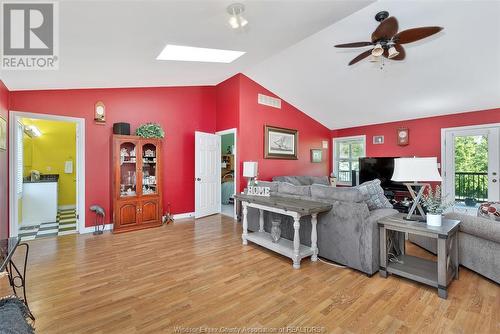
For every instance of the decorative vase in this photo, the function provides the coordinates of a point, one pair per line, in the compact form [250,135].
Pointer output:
[276,230]
[434,219]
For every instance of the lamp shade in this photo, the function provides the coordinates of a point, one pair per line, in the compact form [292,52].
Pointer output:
[250,169]
[415,170]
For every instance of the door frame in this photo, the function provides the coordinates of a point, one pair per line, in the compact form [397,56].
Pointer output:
[14,117]
[233,131]
[444,161]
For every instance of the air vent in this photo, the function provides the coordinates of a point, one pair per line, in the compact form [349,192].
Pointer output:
[269,101]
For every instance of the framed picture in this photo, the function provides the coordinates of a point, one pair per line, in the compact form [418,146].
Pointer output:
[3,134]
[280,143]
[316,155]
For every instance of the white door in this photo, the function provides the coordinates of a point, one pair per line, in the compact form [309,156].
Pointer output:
[471,165]
[207,174]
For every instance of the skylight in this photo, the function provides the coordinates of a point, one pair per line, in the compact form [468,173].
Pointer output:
[189,53]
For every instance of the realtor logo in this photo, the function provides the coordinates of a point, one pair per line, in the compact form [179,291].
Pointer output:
[30,36]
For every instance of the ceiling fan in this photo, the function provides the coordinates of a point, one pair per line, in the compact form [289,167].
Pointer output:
[387,41]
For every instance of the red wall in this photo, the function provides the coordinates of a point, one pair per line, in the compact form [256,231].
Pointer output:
[228,103]
[4,194]
[253,117]
[425,133]
[180,110]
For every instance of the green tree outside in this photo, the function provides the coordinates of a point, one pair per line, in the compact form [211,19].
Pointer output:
[471,156]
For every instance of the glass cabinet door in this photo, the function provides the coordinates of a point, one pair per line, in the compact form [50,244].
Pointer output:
[149,181]
[128,170]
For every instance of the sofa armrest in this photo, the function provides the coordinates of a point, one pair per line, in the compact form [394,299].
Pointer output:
[477,226]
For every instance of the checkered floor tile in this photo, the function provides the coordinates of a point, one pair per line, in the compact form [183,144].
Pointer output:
[65,224]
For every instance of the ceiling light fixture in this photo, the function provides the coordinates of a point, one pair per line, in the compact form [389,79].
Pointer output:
[190,53]
[378,50]
[236,20]
[32,131]
[392,52]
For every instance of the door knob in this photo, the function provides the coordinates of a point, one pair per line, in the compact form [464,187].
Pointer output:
[198,179]
[494,180]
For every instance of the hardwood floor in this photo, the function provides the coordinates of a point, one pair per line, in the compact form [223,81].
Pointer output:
[199,275]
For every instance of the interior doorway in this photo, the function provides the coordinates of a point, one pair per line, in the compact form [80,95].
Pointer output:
[471,161]
[228,158]
[46,175]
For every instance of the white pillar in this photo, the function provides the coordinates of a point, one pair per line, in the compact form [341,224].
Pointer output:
[296,242]
[261,220]
[245,223]
[314,237]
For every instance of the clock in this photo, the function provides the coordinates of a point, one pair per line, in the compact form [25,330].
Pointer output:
[403,136]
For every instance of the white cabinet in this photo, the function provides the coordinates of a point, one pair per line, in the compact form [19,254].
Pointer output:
[39,203]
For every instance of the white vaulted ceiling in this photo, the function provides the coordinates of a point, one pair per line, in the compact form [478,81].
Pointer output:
[454,71]
[115,43]
[289,50]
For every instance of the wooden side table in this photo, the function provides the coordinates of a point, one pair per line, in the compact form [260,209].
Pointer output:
[437,274]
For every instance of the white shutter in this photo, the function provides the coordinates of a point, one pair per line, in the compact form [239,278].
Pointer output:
[19,158]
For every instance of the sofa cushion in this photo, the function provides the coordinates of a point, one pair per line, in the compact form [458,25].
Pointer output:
[285,188]
[477,226]
[489,210]
[303,180]
[288,179]
[272,185]
[375,195]
[322,192]
[319,180]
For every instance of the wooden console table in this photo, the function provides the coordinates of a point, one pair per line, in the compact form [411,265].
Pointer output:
[437,274]
[295,208]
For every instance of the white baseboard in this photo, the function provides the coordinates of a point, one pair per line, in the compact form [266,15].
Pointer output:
[66,207]
[90,229]
[184,215]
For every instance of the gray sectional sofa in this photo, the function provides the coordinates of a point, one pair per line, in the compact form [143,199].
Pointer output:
[478,244]
[348,234]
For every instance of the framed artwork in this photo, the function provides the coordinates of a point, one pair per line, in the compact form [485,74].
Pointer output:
[280,143]
[316,155]
[3,134]
[378,140]
[403,136]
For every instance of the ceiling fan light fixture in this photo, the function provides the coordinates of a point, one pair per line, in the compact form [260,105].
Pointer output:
[378,50]
[236,19]
[374,59]
[393,52]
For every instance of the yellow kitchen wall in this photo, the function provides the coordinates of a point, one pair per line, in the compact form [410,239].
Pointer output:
[50,151]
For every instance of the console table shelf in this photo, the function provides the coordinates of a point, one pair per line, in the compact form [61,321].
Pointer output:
[283,246]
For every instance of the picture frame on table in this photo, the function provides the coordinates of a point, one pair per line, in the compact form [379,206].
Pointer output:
[316,155]
[280,143]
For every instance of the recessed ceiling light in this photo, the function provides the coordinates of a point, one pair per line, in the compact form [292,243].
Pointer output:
[189,53]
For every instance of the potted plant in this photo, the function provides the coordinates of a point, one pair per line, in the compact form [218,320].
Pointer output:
[150,130]
[435,206]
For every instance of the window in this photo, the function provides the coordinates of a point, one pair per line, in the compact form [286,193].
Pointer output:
[19,158]
[346,154]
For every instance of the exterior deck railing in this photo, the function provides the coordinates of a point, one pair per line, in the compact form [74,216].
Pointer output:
[471,185]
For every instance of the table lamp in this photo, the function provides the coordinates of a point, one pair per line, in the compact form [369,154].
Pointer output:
[250,171]
[413,172]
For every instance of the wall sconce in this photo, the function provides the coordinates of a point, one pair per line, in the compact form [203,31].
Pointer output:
[100,112]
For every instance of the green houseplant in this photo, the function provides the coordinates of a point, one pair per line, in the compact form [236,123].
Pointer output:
[150,130]
[435,206]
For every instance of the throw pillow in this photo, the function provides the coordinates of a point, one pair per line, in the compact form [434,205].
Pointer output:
[489,210]
[375,195]
[347,194]
[290,189]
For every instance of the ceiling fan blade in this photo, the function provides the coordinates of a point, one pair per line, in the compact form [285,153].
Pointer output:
[400,56]
[354,45]
[386,29]
[361,56]
[415,34]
